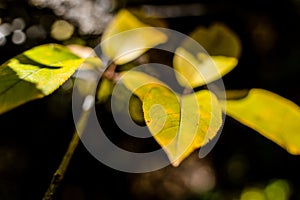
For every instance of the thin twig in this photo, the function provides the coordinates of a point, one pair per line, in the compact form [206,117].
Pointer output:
[60,172]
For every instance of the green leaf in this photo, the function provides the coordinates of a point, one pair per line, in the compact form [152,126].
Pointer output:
[181,124]
[273,116]
[222,45]
[34,74]
[136,38]
[51,55]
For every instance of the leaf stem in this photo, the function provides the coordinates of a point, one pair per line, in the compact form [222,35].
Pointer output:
[60,172]
[187,90]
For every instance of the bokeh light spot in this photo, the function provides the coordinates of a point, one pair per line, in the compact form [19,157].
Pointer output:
[278,190]
[5,29]
[253,194]
[18,24]
[18,37]
[36,32]
[2,39]
[237,168]
[62,30]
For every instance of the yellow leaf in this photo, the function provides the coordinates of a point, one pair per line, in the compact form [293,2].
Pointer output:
[139,83]
[273,116]
[126,38]
[181,124]
[222,45]
[202,69]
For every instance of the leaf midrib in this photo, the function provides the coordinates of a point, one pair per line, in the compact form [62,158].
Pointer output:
[178,132]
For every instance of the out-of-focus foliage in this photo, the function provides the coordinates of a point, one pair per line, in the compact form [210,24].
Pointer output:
[131,44]
[253,193]
[34,74]
[135,110]
[273,116]
[62,30]
[90,16]
[278,189]
[218,40]
[223,47]
[105,90]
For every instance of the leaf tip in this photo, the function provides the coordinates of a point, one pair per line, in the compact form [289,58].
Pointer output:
[176,163]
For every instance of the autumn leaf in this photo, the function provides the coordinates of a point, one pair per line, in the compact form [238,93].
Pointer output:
[126,38]
[200,68]
[273,116]
[180,124]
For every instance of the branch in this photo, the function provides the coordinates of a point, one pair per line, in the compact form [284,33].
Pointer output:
[60,172]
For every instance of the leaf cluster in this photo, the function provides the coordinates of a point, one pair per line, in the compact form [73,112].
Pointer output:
[180,123]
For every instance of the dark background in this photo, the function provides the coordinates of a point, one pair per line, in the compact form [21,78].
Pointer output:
[34,136]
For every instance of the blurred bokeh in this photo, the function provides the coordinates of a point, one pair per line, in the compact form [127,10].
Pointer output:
[243,165]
